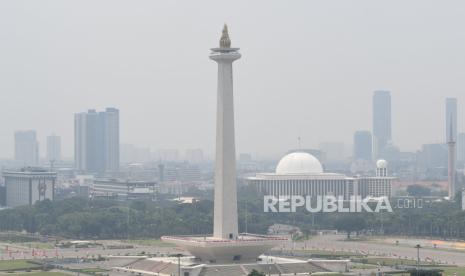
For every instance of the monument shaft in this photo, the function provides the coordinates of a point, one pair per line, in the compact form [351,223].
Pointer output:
[225,209]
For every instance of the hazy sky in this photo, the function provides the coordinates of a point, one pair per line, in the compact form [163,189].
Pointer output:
[308,69]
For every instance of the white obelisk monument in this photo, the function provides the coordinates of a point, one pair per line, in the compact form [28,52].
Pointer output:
[225,210]
[225,245]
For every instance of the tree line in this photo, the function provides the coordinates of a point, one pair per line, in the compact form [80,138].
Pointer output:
[106,219]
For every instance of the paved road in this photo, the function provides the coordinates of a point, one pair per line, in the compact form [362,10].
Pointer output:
[338,243]
[11,251]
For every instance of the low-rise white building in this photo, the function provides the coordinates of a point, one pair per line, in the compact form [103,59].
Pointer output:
[29,185]
[300,173]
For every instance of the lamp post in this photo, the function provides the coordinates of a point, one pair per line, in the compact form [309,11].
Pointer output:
[179,255]
[418,257]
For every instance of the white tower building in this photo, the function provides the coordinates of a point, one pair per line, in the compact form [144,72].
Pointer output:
[225,212]
[381,168]
[451,162]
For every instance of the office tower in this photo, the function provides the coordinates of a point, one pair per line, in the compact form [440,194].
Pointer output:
[96,141]
[451,119]
[53,148]
[245,157]
[433,156]
[334,151]
[461,148]
[168,155]
[26,147]
[29,185]
[194,156]
[381,121]
[110,121]
[161,173]
[363,145]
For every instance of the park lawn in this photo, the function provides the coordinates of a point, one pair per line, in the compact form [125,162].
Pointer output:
[449,271]
[362,266]
[328,253]
[389,261]
[43,273]
[39,245]
[150,242]
[92,270]
[17,265]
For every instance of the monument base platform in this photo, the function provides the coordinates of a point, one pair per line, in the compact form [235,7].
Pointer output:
[269,265]
[207,249]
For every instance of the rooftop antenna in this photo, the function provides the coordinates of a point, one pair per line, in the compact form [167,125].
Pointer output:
[299,141]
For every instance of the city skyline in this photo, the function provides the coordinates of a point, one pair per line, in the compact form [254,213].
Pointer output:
[134,74]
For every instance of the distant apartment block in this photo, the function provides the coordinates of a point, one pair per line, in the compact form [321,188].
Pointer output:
[53,148]
[363,146]
[96,141]
[26,147]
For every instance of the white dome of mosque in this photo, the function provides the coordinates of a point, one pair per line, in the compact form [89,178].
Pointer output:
[299,163]
[381,164]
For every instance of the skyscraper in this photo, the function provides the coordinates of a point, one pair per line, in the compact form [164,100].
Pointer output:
[110,122]
[96,141]
[461,148]
[451,119]
[382,132]
[53,148]
[363,145]
[27,147]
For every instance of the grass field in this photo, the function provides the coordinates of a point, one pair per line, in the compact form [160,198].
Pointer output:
[38,245]
[150,242]
[91,270]
[44,273]
[17,265]
[362,266]
[449,271]
[388,261]
[327,253]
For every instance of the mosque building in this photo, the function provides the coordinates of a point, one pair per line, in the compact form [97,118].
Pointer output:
[301,173]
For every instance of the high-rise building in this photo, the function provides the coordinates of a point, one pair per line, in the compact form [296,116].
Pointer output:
[110,122]
[363,145]
[432,156]
[53,148]
[96,141]
[461,148]
[451,119]
[334,151]
[382,132]
[194,156]
[27,147]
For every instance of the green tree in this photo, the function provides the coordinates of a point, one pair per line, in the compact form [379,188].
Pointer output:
[256,273]
[418,190]
[349,224]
